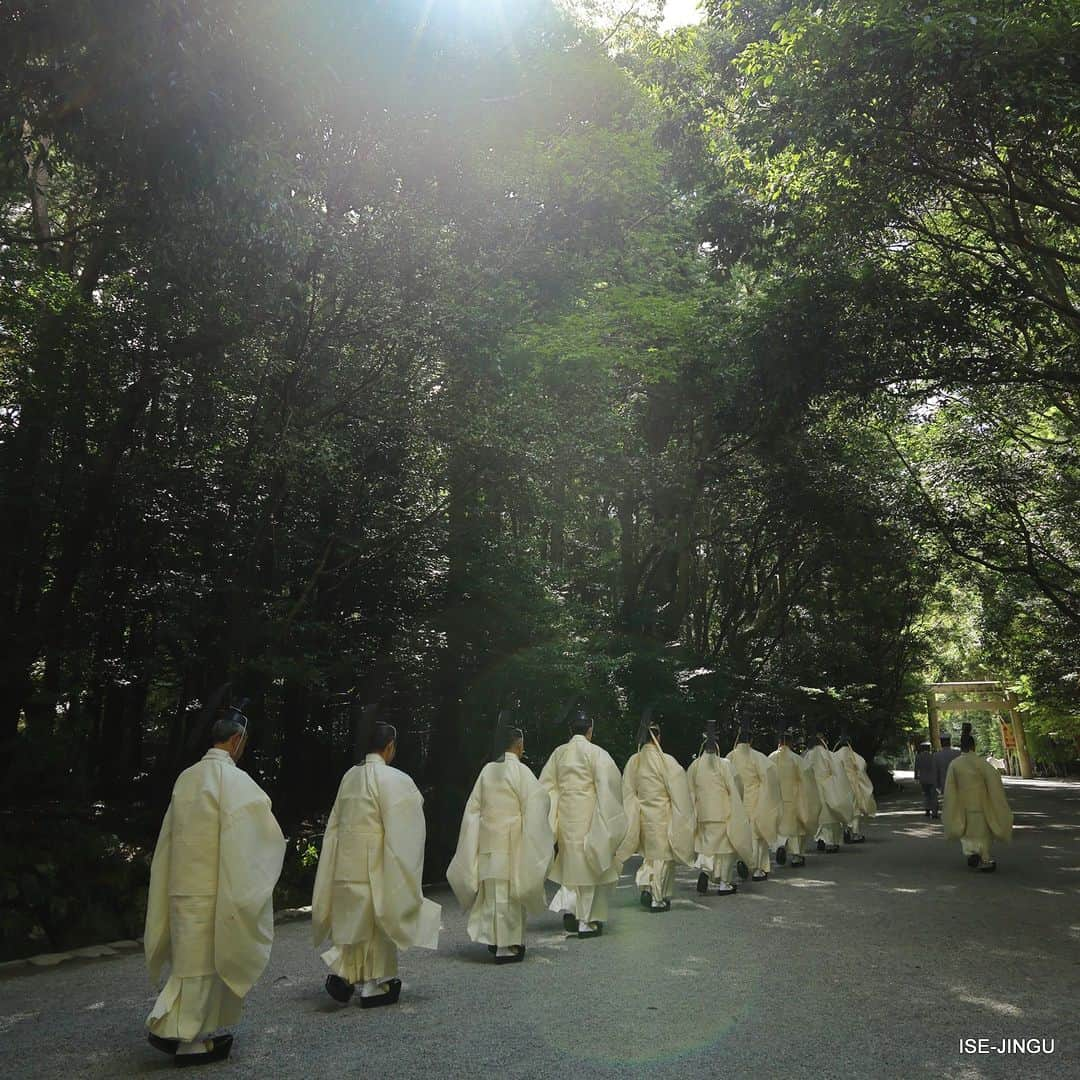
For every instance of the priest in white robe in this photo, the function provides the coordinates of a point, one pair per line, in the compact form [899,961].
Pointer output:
[209,913]
[976,811]
[756,776]
[589,823]
[504,849]
[368,902]
[837,798]
[723,836]
[659,817]
[801,804]
[864,805]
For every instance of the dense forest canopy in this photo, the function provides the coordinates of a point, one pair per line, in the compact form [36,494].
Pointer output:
[460,356]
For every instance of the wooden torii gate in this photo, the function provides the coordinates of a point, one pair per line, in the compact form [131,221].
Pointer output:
[992,697]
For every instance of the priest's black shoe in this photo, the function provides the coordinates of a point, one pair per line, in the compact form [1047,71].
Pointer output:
[340,990]
[742,869]
[657,909]
[595,930]
[166,1046]
[832,849]
[797,860]
[703,883]
[987,867]
[781,855]
[515,958]
[220,1051]
[760,875]
[731,890]
[388,997]
[974,860]
[646,898]
[847,836]
[569,923]
[822,846]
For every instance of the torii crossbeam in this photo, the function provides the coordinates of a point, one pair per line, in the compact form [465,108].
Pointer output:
[986,696]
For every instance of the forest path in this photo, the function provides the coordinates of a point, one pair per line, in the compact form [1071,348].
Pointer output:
[871,962]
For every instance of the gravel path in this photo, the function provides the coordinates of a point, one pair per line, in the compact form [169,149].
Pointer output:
[869,963]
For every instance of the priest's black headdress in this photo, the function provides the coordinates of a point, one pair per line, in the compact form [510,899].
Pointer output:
[236,715]
[214,703]
[577,717]
[506,735]
[711,739]
[648,729]
[745,731]
[373,735]
[744,719]
[221,718]
[797,731]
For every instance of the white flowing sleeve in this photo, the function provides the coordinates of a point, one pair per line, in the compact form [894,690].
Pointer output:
[609,824]
[809,805]
[463,872]
[999,815]
[537,841]
[770,802]
[631,840]
[739,831]
[252,850]
[404,914]
[953,815]
[322,895]
[836,792]
[549,780]
[681,829]
[157,944]
[868,804]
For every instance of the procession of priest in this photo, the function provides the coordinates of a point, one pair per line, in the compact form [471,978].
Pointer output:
[210,915]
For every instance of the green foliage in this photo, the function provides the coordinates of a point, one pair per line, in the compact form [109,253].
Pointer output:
[461,364]
[67,883]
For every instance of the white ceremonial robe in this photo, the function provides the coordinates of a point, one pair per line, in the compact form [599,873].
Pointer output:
[810,813]
[368,900]
[862,787]
[837,798]
[589,823]
[659,819]
[503,854]
[976,810]
[209,912]
[722,833]
[801,803]
[756,776]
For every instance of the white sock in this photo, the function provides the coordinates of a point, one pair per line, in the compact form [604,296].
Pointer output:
[583,927]
[504,950]
[657,903]
[372,988]
[198,1047]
